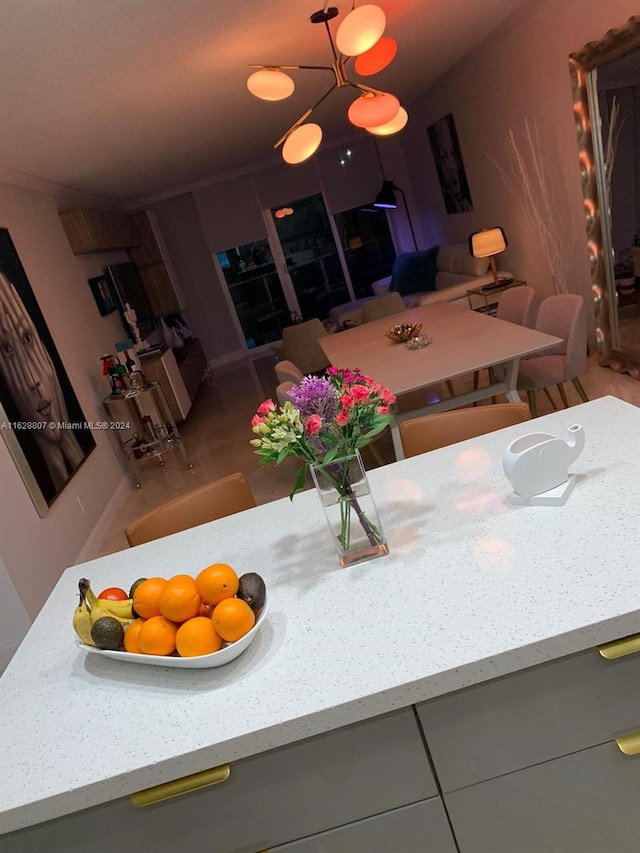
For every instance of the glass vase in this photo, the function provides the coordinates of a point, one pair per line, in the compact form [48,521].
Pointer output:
[350,510]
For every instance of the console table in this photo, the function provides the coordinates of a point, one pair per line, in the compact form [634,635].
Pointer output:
[486,292]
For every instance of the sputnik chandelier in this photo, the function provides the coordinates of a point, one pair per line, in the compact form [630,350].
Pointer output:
[359,35]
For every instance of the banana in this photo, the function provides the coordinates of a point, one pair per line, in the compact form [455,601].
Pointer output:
[99,607]
[119,609]
[82,622]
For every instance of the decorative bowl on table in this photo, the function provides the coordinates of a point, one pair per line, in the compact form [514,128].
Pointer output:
[404,332]
[229,652]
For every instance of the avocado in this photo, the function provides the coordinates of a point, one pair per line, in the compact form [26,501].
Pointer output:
[135,585]
[107,633]
[251,589]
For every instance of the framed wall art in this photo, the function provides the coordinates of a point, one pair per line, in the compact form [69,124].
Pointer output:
[103,294]
[41,421]
[448,159]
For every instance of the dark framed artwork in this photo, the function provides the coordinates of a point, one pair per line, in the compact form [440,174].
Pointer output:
[103,294]
[448,159]
[41,421]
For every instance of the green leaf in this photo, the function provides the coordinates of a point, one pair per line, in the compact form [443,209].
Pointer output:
[330,455]
[301,479]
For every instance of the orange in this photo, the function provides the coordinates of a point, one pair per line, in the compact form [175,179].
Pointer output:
[217,582]
[146,596]
[157,636]
[180,600]
[233,618]
[131,637]
[197,636]
[205,610]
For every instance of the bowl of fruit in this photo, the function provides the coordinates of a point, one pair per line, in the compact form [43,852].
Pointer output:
[184,622]
[404,332]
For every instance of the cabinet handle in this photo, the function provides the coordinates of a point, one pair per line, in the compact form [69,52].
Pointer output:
[619,648]
[177,787]
[629,744]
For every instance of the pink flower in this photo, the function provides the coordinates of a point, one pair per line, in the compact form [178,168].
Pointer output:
[383,410]
[342,418]
[313,425]
[347,400]
[360,392]
[266,407]
[387,397]
[256,420]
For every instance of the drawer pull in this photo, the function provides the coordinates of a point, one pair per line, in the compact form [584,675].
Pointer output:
[629,744]
[177,787]
[620,648]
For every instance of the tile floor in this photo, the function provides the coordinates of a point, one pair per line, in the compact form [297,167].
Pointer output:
[217,434]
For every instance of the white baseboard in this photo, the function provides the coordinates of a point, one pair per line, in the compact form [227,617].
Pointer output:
[104,523]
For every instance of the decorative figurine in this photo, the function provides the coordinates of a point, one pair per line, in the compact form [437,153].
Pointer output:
[537,466]
[131,317]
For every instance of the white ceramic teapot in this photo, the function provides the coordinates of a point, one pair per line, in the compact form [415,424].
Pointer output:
[538,462]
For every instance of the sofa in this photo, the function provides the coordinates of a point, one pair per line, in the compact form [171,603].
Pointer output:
[442,273]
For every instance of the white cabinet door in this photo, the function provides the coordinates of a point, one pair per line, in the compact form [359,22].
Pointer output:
[588,802]
[420,828]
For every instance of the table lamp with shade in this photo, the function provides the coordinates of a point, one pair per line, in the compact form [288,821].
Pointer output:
[487,244]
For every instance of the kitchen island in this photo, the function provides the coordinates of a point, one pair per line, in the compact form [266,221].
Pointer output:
[468,653]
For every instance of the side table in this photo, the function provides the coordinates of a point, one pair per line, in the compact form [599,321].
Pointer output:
[486,293]
[144,426]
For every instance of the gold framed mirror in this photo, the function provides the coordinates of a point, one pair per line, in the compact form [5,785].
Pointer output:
[597,157]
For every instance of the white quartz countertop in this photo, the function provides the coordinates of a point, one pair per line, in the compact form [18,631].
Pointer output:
[472,589]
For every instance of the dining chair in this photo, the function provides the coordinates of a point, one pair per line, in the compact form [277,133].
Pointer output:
[562,315]
[429,432]
[287,371]
[217,499]
[517,305]
[300,345]
[383,306]
[282,391]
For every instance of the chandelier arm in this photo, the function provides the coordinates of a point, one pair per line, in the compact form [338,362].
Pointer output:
[305,115]
[333,47]
[364,88]
[292,67]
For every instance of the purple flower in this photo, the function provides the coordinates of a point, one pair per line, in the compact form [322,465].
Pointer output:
[315,396]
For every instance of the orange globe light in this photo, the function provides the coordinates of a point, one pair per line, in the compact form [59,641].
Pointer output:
[360,30]
[394,126]
[280,214]
[377,57]
[270,84]
[370,110]
[302,143]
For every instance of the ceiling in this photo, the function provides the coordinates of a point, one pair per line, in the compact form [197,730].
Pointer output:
[130,99]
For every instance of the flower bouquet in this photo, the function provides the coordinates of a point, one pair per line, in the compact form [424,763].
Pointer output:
[325,423]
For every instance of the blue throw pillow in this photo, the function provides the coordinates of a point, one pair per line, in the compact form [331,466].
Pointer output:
[414,272]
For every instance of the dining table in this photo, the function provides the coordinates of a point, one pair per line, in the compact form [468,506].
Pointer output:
[459,342]
[477,688]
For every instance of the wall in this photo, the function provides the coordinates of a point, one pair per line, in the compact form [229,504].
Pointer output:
[14,620]
[34,550]
[520,72]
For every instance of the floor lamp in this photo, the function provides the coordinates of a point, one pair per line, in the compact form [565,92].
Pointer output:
[386,200]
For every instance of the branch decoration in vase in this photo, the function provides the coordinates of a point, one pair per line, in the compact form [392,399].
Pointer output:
[527,180]
[324,423]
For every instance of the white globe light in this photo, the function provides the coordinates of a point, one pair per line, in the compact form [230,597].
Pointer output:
[394,126]
[360,30]
[269,84]
[302,143]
